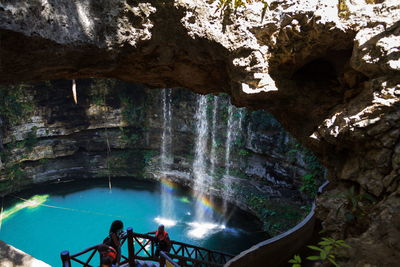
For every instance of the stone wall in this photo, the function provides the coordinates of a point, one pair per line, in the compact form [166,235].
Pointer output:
[12,257]
[116,129]
[328,70]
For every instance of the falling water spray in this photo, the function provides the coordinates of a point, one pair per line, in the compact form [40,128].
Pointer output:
[167,208]
[199,163]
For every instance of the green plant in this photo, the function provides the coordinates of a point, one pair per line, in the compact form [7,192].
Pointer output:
[244,153]
[31,139]
[239,142]
[29,142]
[99,90]
[237,173]
[130,136]
[314,178]
[352,204]
[132,113]
[15,172]
[326,250]
[43,160]
[309,185]
[148,156]
[296,261]
[14,106]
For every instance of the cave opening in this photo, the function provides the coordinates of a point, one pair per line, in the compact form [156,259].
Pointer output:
[318,70]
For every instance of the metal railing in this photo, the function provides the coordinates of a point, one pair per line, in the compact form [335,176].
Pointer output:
[143,247]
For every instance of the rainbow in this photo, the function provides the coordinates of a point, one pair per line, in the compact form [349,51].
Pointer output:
[208,205]
[168,185]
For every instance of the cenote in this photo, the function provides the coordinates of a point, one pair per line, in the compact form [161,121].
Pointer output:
[78,214]
[217,176]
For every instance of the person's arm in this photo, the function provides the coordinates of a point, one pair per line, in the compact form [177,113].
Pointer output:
[151,233]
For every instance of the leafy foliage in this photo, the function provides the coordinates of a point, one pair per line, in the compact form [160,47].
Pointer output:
[352,204]
[277,216]
[132,112]
[244,153]
[14,107]
[326,249]
[148,156]
[130,136]
[99,91]
[314,178]
[15,175]
[309,185]
[31,139]
[296,261]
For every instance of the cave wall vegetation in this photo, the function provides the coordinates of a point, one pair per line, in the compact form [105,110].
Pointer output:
[327,70]
[115,130]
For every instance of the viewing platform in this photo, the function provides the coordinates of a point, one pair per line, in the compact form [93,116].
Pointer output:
[141,252]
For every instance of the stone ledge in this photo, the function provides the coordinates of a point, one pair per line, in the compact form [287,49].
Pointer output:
[13,257]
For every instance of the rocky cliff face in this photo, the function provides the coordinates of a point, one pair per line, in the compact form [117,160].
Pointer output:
[116,129]
[328,70]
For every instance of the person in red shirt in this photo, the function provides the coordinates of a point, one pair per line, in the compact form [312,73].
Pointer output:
[107,255]
[163,243]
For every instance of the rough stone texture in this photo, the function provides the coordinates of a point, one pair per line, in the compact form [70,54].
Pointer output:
[12,257]
[71,142]
[332,81]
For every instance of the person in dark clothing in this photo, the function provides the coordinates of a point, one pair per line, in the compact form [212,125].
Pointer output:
[113,239]
[163,243]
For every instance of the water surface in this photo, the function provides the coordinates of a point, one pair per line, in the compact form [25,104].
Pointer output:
[83,211]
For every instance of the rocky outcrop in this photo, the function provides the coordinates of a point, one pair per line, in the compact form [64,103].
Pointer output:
[327,70]
[12,257]
[118,133]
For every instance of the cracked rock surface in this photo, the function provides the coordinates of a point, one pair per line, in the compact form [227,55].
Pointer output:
[329,75]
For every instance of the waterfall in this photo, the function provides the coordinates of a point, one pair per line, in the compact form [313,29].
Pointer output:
[213,159]
[233,129]
[199,163]
[167,208]
[166,138]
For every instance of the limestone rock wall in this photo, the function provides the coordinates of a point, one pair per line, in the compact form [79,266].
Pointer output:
[116,130]
[328,70]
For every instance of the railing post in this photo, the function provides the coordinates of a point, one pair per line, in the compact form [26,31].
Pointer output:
[66,261]
[131,248]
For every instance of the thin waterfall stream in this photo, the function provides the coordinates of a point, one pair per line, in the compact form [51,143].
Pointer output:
[167,206]
[199,163]
[213,156]
[234,124]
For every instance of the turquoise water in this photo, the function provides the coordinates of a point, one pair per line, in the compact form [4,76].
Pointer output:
[45,231]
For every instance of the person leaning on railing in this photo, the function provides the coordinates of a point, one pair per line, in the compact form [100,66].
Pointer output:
[114,238]
[163,243]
